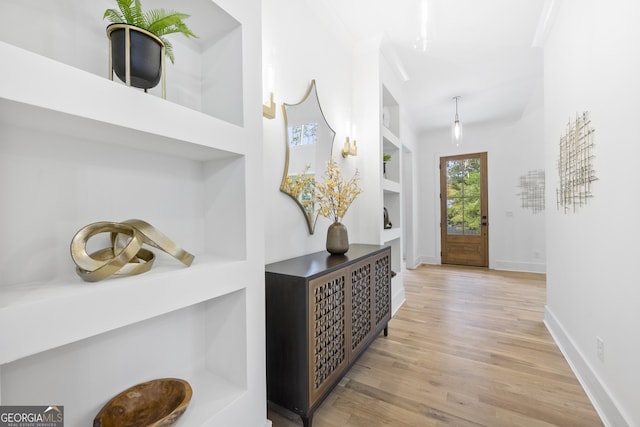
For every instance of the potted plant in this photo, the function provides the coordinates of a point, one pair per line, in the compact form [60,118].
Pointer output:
[386,158]
[334,196]
[138,43]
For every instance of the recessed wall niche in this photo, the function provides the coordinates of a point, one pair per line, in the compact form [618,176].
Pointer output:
[187,343]
[206,76]
[67,182]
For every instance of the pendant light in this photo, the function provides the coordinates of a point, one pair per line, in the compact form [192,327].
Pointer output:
[456,129]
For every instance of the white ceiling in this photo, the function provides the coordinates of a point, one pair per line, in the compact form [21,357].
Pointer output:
[481,50]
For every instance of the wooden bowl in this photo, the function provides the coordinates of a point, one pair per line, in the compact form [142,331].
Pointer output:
[156,403]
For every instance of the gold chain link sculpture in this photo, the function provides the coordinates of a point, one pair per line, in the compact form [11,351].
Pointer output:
[125,256]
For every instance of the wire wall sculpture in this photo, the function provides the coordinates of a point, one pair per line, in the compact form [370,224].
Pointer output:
[532,195]
[575,163]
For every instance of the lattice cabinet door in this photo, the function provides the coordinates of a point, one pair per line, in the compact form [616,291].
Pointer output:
[382,288]
[328,311]
[361,304]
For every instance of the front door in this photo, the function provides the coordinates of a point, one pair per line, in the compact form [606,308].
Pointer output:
[463,200]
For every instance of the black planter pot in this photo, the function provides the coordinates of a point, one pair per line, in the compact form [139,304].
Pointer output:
[146,53]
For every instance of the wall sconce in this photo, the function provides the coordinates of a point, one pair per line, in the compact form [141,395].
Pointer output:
[349,148]
[269,110]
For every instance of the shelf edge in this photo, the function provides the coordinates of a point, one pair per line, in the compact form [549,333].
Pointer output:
[74,316]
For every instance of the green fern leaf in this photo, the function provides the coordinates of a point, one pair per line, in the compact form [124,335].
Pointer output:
[114,16]
[125,9]
[162,22]
[168,49]
[136,14]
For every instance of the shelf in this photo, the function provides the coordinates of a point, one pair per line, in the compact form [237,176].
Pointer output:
[203,343]
[61,305]
[391,187]
[206,76]
[69,107]
[390,234]
[211,394]
[391,142]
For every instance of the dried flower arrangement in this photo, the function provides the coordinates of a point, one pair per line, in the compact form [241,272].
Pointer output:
[334,195]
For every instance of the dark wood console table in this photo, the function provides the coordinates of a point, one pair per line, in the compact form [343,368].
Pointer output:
[322,312]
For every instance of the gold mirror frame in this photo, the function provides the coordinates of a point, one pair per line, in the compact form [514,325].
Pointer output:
[309,144]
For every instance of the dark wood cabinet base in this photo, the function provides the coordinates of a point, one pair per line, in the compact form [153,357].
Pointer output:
[322,312]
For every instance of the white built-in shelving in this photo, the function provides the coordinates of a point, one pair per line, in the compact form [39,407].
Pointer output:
[390,144]
[378,112]
[77,148]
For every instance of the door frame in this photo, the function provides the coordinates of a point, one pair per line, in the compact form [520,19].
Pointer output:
[484,203]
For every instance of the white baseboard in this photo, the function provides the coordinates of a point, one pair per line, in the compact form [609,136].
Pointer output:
[268,423]
[595,389]
[429,260]
[412,264]
[528,267]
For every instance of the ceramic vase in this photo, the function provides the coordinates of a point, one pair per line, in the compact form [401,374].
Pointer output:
[337,239]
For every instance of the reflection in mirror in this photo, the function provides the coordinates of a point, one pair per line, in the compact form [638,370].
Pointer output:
[309,144]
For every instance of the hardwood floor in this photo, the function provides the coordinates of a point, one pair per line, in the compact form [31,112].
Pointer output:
[468,348]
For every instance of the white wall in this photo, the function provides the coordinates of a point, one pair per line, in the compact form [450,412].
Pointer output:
[300,46]
[592,286]
[410,192]
[303,41]
[516,235]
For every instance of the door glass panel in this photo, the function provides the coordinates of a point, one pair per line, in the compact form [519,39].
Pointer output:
[455,178]
[463,196]
[471,177]
[455,222]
